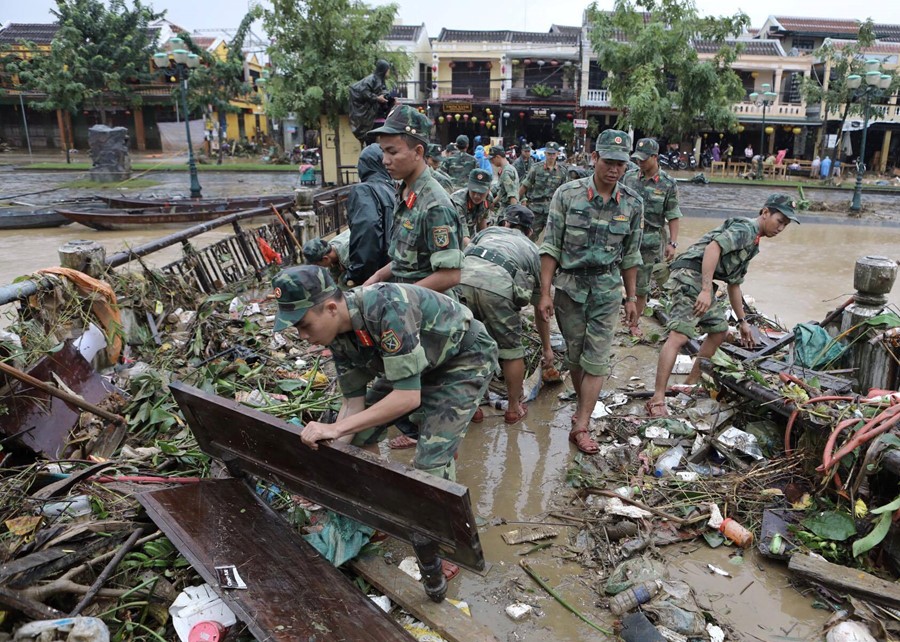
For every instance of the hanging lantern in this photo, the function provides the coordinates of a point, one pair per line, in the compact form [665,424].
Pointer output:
[721,135]
[456,116]
[503,69]
[441,119]
[487,110]
[541,63]
[570,116]
[488,65]
[740,129]
[452,64]
[796,131]
[434,68]
[705,135]
[770,130]
[493,126]
[465,116]
[481,123]
[554,63]
[527,61]
[516,61]
[521,114]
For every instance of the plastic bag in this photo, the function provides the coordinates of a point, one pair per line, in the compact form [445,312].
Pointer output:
[814,347]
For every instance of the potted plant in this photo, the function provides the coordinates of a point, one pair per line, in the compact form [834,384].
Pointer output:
[542,91]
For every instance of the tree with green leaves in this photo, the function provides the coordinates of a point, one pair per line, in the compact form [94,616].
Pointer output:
[216,82]
[319,48]
[831,91]
[97,56]
[656,78]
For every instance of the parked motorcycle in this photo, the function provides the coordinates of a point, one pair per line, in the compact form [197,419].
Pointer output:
[671,159]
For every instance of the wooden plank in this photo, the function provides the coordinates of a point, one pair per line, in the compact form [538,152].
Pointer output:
[16,601]
[293,593]
[444,618]
[846,579]
[391,497]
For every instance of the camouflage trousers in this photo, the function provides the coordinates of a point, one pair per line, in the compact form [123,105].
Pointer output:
[588,329]
[453,292]
[541,210]
[500,316]
[681,291]
[653,263]
[450,397]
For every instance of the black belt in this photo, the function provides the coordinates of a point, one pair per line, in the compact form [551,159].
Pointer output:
[592,271]
[494,257]
[687,264]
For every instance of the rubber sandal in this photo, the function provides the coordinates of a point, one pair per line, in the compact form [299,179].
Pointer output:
[656,409]
[478,417]
[584,442]
[449,569]
[515,417]
[402,442]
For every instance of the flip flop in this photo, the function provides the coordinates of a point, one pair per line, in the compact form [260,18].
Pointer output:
[515,417]
[584,442]
[656,409]
[402,442]
[478,417]
[449,569]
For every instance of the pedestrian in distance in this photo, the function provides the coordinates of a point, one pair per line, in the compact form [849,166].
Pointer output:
[592,245]
[722,254]
[538,186]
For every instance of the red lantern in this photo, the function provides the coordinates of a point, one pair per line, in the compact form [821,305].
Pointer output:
[452,64]
[527,61]
[434,68]
[503,69]
[521,114]
[554,63]
[482,123]
[569,116]
[466,116]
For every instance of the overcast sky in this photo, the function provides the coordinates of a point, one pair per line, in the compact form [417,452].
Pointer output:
[524,15]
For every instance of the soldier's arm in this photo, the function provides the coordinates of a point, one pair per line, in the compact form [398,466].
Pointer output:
[383,274]
[445,247]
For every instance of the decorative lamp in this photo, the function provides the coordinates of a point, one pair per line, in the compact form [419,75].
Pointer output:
[873,78]
[871,65]
[441,119]
[796,131]
[506,114]
[770,130]
[754,96]
[885,81]
[161,60]
[854,81]
[193,61]
[175,43]
[180,56]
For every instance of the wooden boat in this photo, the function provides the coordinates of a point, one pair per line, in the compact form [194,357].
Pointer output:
[160,216]
[25,218]
[237,203]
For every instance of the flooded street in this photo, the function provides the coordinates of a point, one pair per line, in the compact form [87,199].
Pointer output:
[517,474]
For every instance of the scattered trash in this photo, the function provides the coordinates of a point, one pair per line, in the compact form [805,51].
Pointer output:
[600,410]
[683,364]
[633,597]
[198,604]
[230,578]
[410,566]
[718,571]
[632,572]
[79,629]
[74,506]
[383,602]
[849,631]
[736,533]
[530,534]
[735,439]
[637,628]
[668,461]
[519,611]
[716,634]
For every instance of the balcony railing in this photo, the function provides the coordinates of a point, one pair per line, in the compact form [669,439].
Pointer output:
[597,98]
[888,114]
[525,94]
[492,94]
[780,110]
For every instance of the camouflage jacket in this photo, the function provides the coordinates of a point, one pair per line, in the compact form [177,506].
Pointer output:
[522,166]
[443,179]
[515,247]
[457,167]
[506,187]
[468,212]
[427,232]
[540,183]
[341,244]
[660,195]
[403,332]
[592,240]
[739,240]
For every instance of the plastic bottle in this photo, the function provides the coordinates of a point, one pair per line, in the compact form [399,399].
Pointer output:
[668,460]
[736,533]
[630,599]
[707,470]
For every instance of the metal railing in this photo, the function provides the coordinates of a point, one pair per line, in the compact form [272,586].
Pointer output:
[781,110]
[330,207]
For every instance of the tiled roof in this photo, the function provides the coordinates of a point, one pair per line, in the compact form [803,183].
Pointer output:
[409,33]
[39,34]
[888,32]
[876,48]
[564,29]
[204,42]
[460,35]
[751,47]
[817,25]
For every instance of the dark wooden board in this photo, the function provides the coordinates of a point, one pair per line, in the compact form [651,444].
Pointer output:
[388,496]
[846,579]
[442,617]
[293,593]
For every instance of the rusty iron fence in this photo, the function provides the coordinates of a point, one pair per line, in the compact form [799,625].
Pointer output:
[330,208]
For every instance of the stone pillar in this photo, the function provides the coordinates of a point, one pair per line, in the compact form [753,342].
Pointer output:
[109,153]
[85,256]
[777,86]
[885,149]
[140,135]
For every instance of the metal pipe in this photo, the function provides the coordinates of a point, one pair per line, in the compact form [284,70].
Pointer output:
[856,203]
[192,164]
[25,120]
[17,291]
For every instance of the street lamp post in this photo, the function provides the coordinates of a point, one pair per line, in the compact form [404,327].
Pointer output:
[184,63]
[875,83]
[763,100]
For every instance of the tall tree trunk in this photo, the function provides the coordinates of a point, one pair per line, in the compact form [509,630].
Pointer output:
[61,123]
[70,130]
[222,123]
[337,151]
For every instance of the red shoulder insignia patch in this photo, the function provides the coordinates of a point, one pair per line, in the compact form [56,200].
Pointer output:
[365,339]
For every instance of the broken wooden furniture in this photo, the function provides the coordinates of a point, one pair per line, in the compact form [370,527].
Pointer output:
[433,515]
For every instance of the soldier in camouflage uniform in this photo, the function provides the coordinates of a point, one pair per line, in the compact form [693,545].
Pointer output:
[505,191]
[501,274]
[332,255]
[723,254]
[429,358]
[524,162]
[538,186]
[660,194]
[433,156]
[592,245]
[458,166]
[471,203]
[426,248]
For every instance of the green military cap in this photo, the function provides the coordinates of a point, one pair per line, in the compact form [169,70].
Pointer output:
[479,181]
[314,250]
[613,144]
[451,147]
[784,204]
[434,151]
[526,147]
[519,215]
[403,119]
[497,150]
[462,140]
[551,148]
[646,147]
[298,289]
